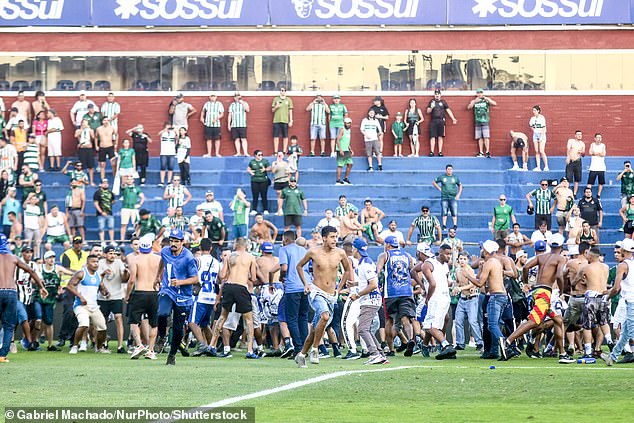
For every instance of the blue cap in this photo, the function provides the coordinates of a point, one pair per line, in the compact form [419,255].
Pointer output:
[267,247]
[361,246]
[540,245]
[392,241]
[177,234]
[145,244]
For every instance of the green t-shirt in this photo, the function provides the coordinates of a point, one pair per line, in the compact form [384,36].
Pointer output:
[502,217]
[448,186]
[214,228]
[150,225]
[126,155]
[337,113]
[627,183]
[94,121]
[259,170]
[105,199]
[239,215]
[281,115]
[397,128]
[51,283]
[3,123]
[344,142]
[292,201]
[481,111]
[130,196]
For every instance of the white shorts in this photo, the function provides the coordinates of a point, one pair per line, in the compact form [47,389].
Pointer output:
[620,314]
[257,312]
[129,215]
[436,311]
[87,315]
[126,172]
[54,148]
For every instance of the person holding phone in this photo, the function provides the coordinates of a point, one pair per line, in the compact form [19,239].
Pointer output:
[626,176]
[282,108]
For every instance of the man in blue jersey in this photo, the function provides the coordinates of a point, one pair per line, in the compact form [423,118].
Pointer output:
[203,310]
[397,288]
[84,285]
[178,271]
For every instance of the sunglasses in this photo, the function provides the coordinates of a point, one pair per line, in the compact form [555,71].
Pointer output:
[425,211]
[502,199]
[544,185]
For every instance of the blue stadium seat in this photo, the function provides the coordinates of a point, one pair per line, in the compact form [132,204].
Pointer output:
[20,85]
[191,86]
[267,86]
[5,85]
[65,85]
[83,85]
[140,85]
[158,85]
[228,86]
[37,85]
[286,84]
[101,85]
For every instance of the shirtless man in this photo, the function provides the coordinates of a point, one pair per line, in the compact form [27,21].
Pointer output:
[106,145]
[492,276]
[322,295]
[519,141]
[594,278]
[9,293]
[564,201]
[371,219]
[237,270]
[269,265]
[141,296]
[576,299]
[516,240]
[350,226]
[261,230]
[75,211]
[575,150]
[550,271]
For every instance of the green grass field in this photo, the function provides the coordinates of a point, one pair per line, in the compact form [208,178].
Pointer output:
[461,390]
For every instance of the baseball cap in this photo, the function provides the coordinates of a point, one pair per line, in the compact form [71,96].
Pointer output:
[392,241]
[347,120]
[563,179]
[179,95]
[490,246]
[145,244]
[628,245]
[399,114]
[573,249]
[109,249]
[540,245]
[437,91]
[210,192]
[77,239]
[424,248]
[49,254]
[292,179]
[361,246]
[91,106]
[520,254]
[618,244]
[27,248]
[479,90]
[336,96]
[267,247]
[176,234]
[556,240]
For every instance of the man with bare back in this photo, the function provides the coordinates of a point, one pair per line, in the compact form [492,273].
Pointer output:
[261,230]
[564,200]
[141,296]
[237,271]
[322,294]
[106,146]
[575,150]
[550,271]
[576,300]
[9,293]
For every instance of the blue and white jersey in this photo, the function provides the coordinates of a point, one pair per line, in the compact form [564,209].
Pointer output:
[182,266]
[208,270]
[398,282]
[364,273]
[88,288]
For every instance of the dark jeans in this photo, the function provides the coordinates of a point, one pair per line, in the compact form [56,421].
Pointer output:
[142,172]
[259,189]
[484,322]
[184,171]
[8,315]
[495,307]
[179,317]
[69,321]
[297,317]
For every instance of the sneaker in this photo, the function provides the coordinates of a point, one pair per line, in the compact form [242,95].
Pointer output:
[4,360]
[338,182]
[446,353]
[25,344]
[103,350]
[300,359]
[313,356]
[287,352]
[183,351]
[611,346]
[136,353]
[440,154]
[479,155]
[537,169]
[324,355]
[609,359]
[322,154]
[587,356]
[200,351]
[161,184]
[52,348]
[253,212]
[503,348]
[365,354]
[60,343]
[336,354]
[379,167]
[459,347]
[13,349]
[211,352]
[251,356]
[370,169]
[34,346]
[409,349]
[159,346]
[121,350]
[416,349]
[312,154]
[73,350]
[333,154]
[346,181]
[546,169]
[487,355]
[224,355]
[83,346]
[391,354]
[431,154]
[565,359]
[401,348]
[524,169]
[424,350]
[375,359]
[274,353]
[627,358]
[265,212]
[488,155]
[515,167]
[352,356]
[171,360]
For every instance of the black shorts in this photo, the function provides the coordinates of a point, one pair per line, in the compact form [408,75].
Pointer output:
[628,228]
[399,307]
[594,175]
[573,171]
[238,133]
[142,158]
[110,306]
[106,153]
[280,129]
[87,157]
[212,133]
[436,128]
[236,294]
[143,303]
[278,186]
[293,219]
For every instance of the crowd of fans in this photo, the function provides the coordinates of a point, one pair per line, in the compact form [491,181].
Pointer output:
[401,303]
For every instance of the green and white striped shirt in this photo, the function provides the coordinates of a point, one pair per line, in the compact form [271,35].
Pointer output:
[426,226]
[110,109]
[542,200]
[318,114]
[31,157]
[180,195]
[238,114]
[212,110]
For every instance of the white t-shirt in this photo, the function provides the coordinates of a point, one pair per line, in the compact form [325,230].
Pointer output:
[538,124]
[31,217]
[184,144]
[113,282]
[168,143]
[398,234]
[364,273]
[13,122]
[371,129]
[213,206]
[55,225]
[334,222]
[81,108]
[55,123]
[597,163]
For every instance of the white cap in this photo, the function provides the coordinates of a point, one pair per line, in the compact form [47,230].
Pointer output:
[628,245]
[573,249]
[347,120]
[425,249]
[557,240]
[490,246]
[49,254]
[145,243]
[520,253]
[619,244]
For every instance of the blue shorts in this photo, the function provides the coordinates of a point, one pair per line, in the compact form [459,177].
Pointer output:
[168,162]
[201,314]
[47,313]
[321,304]
[239,231]
[105,221]
[449,206]
[334,131]
[20,312]
[281,310]
[317,131]
[34,311]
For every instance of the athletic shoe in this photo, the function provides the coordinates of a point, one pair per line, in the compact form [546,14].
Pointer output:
[375,359]
[628,358]
[322,154]
[251,356]
[274,353]
[265,212]
[224,355]
[13,349]
[136,353]
[338,182]
[211,352]
[409,349]
[336,354]
[546,169]
[171,360]
[73,350]
[566,359]
[333,154]
[440,154]
[510,352]
[4,360]
[83,346]
[253,212]
[300,359]
[488,155]
[391,354]
[446,353]
[183,351]
[424,350]
[524,169]
[260,354]
[287,352]
[515,167]
[324,355]
[416,349]
[161,184]
[370,169]
[352,356]
[596,354]
[60,343]
[34,346]
[537,169]
[200,351]
[431,154]
[537,354]
[609,359]
[459,348]
[312,154]
[25,344]
[150,355]
[487,355]
[379,167]
[587,356]
[52,348]
[103,350]
[401,348]
[365,354]
[121,350]
[346,181]
[479,155]
[503,348]
[313,356]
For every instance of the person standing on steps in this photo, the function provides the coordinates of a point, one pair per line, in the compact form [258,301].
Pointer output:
[140,141]
[318,110]
[372,132]
[237,123]
[381,114]
[626,176]
[450,190]
[543,198]
[481,106]
[575,150]
[210,116]
[258,168]
[338,113]
[538,124]
[414,118]
[437,108]
[597,163]
[282,108]
[344,152]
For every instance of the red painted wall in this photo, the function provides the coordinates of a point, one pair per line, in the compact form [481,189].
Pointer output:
[610,115]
